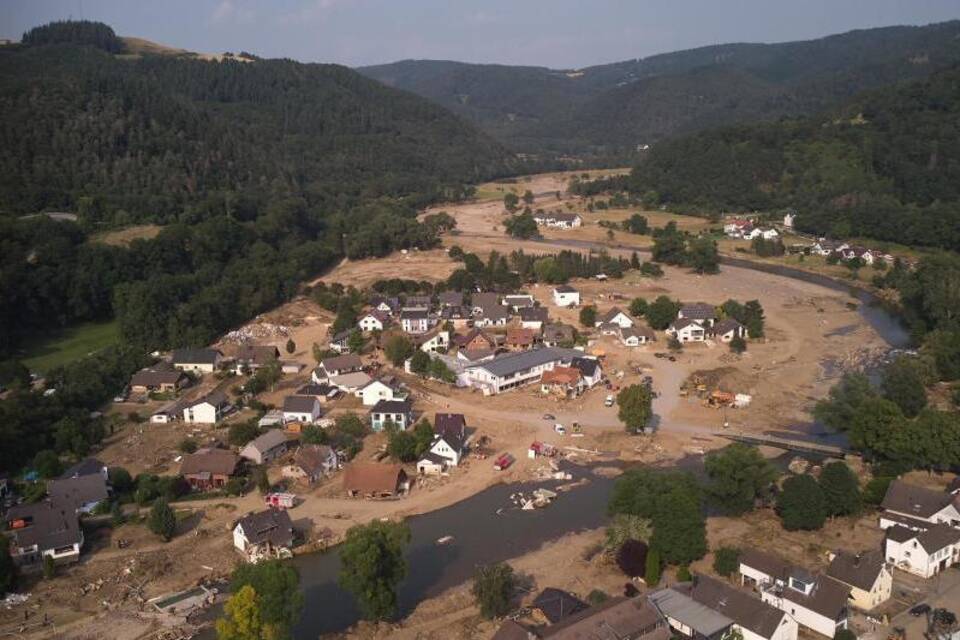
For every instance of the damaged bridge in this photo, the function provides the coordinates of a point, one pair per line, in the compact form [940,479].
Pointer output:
[788,444]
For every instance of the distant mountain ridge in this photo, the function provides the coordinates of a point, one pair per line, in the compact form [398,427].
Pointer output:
[612,108]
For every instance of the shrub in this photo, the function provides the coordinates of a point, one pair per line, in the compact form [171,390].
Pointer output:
[632,558]
[597,596]
[726,561]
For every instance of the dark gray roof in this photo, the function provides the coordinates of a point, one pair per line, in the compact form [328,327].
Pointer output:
[79,491]
[450,298]
[270,439]
[195,356]
[747,611]
[272,525]
[556,604]
[534,314]
[511,630]
[216,461]
[615,619]
[767,563]
[587,366]
[86,467]
[312,457]
[340,363]
[299,404]
[216,398]
[933,539]
[498,312]
[918,502]
[486,299]
[558,332]
[413,314]
[682,607]
[611,314]
[257,354]
[725,326]
[682,323]
[859,570]
[452,425]
[316,390]
[513,362]
[49,525]
[154,377]
[698,311]
[392,406]
[564,288]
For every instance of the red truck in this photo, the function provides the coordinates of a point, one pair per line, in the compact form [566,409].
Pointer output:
[503,462]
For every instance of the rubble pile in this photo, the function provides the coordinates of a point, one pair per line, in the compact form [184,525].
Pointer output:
[256,331]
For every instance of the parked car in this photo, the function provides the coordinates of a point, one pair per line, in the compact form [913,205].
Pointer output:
[549,416]
[921,609]
[502,462]
[559,428]
[609,401]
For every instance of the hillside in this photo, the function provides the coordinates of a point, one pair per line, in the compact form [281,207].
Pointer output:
[611,108]
[153,134]
[884,165]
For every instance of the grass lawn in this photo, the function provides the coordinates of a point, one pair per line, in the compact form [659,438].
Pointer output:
[70,344]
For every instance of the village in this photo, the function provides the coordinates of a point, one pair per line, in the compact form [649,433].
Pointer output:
[277,439]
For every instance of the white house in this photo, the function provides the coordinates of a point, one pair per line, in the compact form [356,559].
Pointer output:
[737,228]
[196,360]
[923,553]
[266,447]
[615,316]
[206,410]
[818,603]
[757,232]
[512,370]
[376,320]
[558,219]
[566,296]
[726,330]
[340,342]
[687,331]
[445,451]
[400,412]
[533,317]
[264,535]
[788,219]
[590,371]
[917,507]
[518,301]
[434,341]
[415,320]
[377,390]
[637,336]
[867,575]
[303,409]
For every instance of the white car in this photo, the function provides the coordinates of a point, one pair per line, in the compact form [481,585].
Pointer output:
[559,428]
[608,402]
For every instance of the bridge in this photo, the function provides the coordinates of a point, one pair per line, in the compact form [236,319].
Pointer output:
[789,444]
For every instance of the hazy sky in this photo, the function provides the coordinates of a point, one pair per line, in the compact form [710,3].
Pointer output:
[556,33]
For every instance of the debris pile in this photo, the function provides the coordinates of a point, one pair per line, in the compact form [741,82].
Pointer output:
[256,331]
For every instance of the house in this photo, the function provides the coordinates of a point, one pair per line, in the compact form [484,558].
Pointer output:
[556,335]
[475,340]
[558,219]
[158,379]
[350,382]
[496,316]
[857,253]
[448,299]
[251,357]
[561,382]
[566,296]
[446,450]
[726,330]
[433,341]
[590,370]
[616,317]
[208,409]
[374,480]
[867,575]
[512,370]
[400,412]
[917,507]
[87,467]
[166,413]
[686,330]
[924,553]
[197,360]
[302,409]
[618,618]
[554,605]
[82,494]
[700,312]
[324,392]
[518,301]
[415,320]
[710,609]
[387,388]
[264,535]
[41,529]
[757,232]
[376,320]
[389,306]
[208,468]
[459,317]
[788,219]
[335,366]
[636,336]
[520,339]
[533,318]
[340,342]
[737,227]
[816,602]
[266,447]
[485,300]
[825,247]
[311,463]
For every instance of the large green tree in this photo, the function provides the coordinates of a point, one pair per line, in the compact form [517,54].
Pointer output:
[801,504]
[243,618]
[903,383]
[493,587]
[661,312]
[277,586]
[372,565]
[841,489]
[635,404]
[738,476]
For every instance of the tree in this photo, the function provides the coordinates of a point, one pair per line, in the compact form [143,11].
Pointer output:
[398,349]
[753,319]
[240,433]
[683,573]
[903,384]
[636,224]
[528,197]
[277,586]
[844,634]
[493,587]
[651,574]
[841,489]
[291,346]
[420,363]
[802,504]
[634,260]
[738,476]
[243,617]
[187,445]
[638,307]
[47,464]
[402,446]
[318,352]
[372,565]
[511,201]
[8,570]
[703,255]
[844,401]
[597,597]
[635,404]
[162,521]
[876,490]
[522,226]
[669,245]
[588,316]
[662,312]
[674,344]
[726,561]
[356,341]
[632,558]
[119,478]
[261,479]
[422,436]
[738,344]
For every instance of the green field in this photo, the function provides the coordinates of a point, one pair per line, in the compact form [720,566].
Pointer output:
[70,344]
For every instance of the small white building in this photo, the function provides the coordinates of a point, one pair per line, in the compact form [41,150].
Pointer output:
[302,409]
[399,412]
[687,331]
[434,341]
[206,410]
[445,451]
[415,320]
[917,507]
[376,320]
[264,535]
[922,553]
[615,316]
[566,296]
[637,336]
[788,219]
[558,219]
[196,360]
[383,389]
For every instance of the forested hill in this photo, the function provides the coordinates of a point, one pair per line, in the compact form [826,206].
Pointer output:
[886,165]
[87,126]
[613,108]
